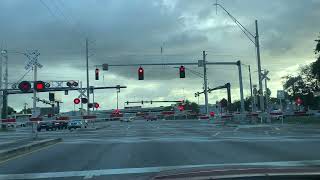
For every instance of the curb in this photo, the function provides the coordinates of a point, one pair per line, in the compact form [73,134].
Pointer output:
[7,154]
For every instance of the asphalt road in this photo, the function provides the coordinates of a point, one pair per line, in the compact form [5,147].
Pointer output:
[140,149]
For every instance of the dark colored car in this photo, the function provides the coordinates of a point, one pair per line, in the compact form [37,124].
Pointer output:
[47,126]
[61,124]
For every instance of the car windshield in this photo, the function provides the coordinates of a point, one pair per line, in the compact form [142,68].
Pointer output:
[138,89]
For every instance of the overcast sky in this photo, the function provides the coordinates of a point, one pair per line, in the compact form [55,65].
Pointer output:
[132,31]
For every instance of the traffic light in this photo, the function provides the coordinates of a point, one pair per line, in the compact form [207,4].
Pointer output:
[51,97]
[182,72]
[96,105]
[76,101]
[24,86]
[39,86]
[140,73]
[97,74]
[84,100]
[181,107]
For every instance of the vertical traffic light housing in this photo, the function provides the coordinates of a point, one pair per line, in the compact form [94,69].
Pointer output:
[141,73]
[182,72]
[97,74]
[51,97]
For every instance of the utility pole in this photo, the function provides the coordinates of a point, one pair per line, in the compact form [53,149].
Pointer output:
[117,99]
[205,82]
[4,53]
[259,66]
[266,89]
[252,104]
[81,105]
[1,82]
[87,61]
[241,87]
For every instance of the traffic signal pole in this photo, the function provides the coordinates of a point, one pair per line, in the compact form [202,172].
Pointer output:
[205,83]
[259,66]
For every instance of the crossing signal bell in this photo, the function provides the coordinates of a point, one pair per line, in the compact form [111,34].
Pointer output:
[39,86]
[24,86]
[97,74]
[182,72]
[141,73]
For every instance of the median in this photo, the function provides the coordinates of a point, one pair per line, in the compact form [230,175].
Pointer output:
[18,149]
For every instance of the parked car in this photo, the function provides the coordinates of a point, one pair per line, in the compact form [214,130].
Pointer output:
[47,126]
[75,124]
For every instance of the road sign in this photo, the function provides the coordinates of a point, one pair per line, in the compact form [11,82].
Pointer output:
[280,94]
[264,75]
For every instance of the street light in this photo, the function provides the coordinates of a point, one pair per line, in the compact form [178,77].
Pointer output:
[255,40]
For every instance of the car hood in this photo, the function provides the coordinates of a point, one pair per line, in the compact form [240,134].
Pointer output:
[236,172]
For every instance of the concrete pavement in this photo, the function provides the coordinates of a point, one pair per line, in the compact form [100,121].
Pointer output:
[139,149]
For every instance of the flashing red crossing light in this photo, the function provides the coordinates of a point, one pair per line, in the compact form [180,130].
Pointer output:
[96,105]
[140,73]
[76,101]
[39,86]
[97,74]
[182,72]
[24,86]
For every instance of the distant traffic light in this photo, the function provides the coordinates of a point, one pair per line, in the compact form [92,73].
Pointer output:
[39,86]
[181,107]
[76,101]
[96,105]
[51,97]
[141,73]
[97,74]
[84,100]
[182,72]
[24,86]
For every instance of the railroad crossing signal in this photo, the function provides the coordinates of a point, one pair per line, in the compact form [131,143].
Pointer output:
[76,101]
[24,86]
[182,72]
[39,86]
[140,73]
[96,105]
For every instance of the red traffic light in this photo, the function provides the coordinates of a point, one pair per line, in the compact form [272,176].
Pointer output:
[25,86]
[96,105]
[141,73]
[182,72]
[39,86]
[76,101]
[97,74]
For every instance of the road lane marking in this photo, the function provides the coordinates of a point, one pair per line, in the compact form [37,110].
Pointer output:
[216,134]
[105,172]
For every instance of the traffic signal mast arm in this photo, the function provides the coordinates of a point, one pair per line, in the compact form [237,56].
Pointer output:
[141,102]
[227,86]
